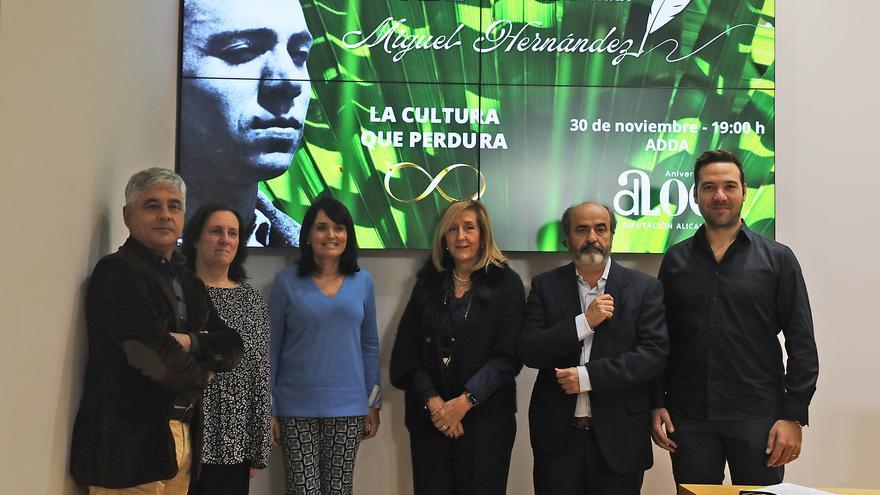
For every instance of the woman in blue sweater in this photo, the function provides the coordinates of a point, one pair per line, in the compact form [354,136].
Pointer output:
[324,355]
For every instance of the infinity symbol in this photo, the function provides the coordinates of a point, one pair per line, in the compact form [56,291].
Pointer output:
[435,181]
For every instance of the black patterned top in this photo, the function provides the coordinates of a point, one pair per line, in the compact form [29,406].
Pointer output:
[236,403]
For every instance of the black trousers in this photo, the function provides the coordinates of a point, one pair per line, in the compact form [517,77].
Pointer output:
[223,479]
[477,463]
[580,469]
[705,445]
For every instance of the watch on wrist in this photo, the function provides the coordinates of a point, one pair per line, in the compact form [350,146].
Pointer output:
[472,399]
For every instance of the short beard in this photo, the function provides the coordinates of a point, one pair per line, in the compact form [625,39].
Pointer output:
[592,256]
[595,258]
[735,219]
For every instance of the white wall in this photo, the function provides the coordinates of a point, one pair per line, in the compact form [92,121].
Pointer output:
[87,96]
[827,129]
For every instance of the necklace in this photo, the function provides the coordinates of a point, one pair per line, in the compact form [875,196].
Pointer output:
[467,310]
[462,280]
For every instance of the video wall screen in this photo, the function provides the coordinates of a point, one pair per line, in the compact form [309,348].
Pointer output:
[398,107]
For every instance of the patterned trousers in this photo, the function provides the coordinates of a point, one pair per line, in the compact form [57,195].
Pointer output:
[319,454]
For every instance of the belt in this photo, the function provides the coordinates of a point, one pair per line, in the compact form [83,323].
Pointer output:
[582,423]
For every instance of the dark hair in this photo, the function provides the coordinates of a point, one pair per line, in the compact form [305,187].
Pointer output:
[715,156]
[566,218]
[193,231]
[338,213]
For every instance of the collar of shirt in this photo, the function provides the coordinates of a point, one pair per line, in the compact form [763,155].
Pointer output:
[586,294]
[702,242]
[600,285]
[169,270]
[262,229]
[177,259]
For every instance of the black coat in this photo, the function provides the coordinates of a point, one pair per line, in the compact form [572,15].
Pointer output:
[136,371]
[490,330]
[629,350]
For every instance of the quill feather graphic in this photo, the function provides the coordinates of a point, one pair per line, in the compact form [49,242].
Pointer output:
[662,13]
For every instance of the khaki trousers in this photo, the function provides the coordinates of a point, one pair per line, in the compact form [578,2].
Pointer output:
[178,485]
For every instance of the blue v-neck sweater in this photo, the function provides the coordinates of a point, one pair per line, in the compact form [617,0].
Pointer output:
[324,351]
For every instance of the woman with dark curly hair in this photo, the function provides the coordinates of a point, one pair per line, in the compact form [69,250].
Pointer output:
[237,428]
[455,356]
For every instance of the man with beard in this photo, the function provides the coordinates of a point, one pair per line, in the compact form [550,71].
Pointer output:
[596,332]
[726,394]
[244,94]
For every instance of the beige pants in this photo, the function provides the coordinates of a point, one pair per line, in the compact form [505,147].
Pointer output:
[178,485]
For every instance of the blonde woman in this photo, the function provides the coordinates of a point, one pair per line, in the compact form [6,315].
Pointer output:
[454,355]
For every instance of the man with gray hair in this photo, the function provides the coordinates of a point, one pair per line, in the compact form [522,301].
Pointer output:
[596,332]
[154,343]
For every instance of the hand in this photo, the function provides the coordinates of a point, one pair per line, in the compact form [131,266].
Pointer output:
[183,339]
[455,432]
[276,431]
[254,472]
[661,427]
[434,404]
[783,443]
[568,379]
[601,309]
[371,423]
[451,413]
[211,376]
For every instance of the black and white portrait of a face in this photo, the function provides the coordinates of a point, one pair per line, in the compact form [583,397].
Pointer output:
[245,92]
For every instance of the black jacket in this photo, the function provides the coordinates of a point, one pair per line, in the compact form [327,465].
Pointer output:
[628,351]
[490,331]
[136,371]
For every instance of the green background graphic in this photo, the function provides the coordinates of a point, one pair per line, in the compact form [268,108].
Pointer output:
[710,67]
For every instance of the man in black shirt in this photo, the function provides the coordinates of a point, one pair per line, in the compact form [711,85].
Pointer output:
[726,394]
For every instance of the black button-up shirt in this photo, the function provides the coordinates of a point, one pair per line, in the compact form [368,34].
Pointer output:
[182,407]
[724,319]
[169,270]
